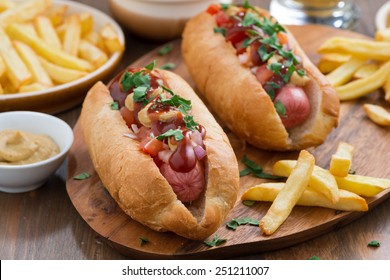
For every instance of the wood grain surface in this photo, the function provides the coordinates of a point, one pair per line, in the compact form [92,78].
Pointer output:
[103,215]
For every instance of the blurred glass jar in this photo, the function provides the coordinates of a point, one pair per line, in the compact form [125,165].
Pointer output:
[157,19]
[340,14]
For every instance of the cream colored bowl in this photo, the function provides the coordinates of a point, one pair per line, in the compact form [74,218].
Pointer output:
[59,98]
[382,18]
[23,178]
[157,19]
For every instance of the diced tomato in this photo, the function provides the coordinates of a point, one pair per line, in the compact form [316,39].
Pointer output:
[143,133]
[127,115]
[213,9]
[222,19]
[263,74]
[235,35]
[254,55]
[151,146]
[240,48]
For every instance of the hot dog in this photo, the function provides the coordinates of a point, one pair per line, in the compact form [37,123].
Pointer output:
[257,79]
[160,153]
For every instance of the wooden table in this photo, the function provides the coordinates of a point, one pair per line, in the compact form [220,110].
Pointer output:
[43,224]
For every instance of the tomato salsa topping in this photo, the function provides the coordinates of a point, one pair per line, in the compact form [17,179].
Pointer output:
[162,122]
[262,45]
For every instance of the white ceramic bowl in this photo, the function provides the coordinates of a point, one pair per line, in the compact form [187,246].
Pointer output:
[61,97]
[23,178]
[157,19]
[382,17]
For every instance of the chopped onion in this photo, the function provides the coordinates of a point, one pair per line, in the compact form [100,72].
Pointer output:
[243,58]
[135,128]
[164,155]
[196,138]
[254,69]
[200,153]
[130,135]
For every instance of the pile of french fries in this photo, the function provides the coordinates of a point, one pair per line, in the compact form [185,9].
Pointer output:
[310,185]
[357,67]
[42,46]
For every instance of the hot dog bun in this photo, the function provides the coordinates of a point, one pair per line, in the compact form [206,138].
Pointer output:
[238,98]
[134,180]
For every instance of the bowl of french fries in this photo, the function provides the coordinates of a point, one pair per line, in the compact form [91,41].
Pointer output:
[382,17]
[52,52]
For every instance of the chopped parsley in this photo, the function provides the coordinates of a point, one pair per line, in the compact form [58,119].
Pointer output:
[220,30]
[151,65]
[314,258]
[374,243]
[248,202]
[246,5]
[177,133]
[280,108]
[216,241]
[114,105]
[82,176]
[137,79]
[166,49]
[143,240]
[236,222]
[256,170]
[168,66]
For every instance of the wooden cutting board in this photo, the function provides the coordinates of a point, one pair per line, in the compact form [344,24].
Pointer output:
[101,212]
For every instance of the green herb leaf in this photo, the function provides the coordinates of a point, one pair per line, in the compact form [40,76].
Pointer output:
[114,105]
[250,19]
[215,242]
[245,172]
[234,223]
[140,94]
[143,240]
[130,80]
[374,243]
[314,258]
[280,109]
[264,54]
[151,66]
[225,6]
[189,121]
[82,176]
[248,202]
[275,67]
[177,133]
[246,5]
[220,30]
[168,66]
[256,170]
[164,50]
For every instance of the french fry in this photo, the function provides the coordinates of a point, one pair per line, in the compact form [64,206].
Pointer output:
[32,87]
[348,201]
[59,57]
[386,89]
[31,60]
[365,71]
[2,66]
[357,47]
[289,195]
[25,11]
[330,61]
[344,72]
[340,163]
[321,180]
[383,35]
[362,185]
[6,4]
[92,53]
[1,89]
[57,14]
[377,114]
[94,38]
[47,32]
[361,87]
[29,27]
[86,21]
[16,70]
[72,35]
[110,38]
[60,74]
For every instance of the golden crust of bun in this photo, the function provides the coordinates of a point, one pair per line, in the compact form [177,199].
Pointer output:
[135,182]
[234,93]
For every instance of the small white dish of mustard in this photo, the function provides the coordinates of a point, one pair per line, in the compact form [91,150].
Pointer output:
[32,147]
